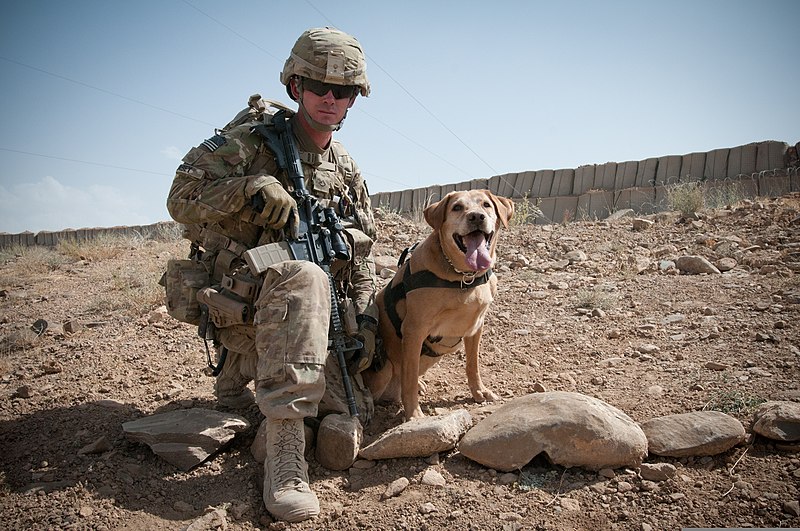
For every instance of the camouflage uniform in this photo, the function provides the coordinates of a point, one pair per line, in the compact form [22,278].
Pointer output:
[283,344]
[285,348]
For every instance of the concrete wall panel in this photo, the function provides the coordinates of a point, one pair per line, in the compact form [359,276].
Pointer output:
[525,184]
[646,172]
[717,164]
[605,176]
[584,179]
[668,170]
[749,157]
[692,167]
[543,183]
[626,175]
[562,182]
[641,200]
[595,205]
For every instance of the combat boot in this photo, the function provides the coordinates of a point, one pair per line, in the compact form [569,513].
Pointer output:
[287,495]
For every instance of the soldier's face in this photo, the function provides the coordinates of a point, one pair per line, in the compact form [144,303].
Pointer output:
[326,109]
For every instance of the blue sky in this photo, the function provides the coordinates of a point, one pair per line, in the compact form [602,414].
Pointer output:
[101,98]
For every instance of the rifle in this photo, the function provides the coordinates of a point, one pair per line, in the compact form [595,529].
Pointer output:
[318,238]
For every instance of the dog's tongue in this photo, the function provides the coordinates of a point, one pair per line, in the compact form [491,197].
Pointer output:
[477,254]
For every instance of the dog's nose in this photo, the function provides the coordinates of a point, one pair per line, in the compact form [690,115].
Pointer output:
[476,216]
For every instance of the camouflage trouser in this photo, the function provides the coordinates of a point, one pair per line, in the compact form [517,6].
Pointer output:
[286,351]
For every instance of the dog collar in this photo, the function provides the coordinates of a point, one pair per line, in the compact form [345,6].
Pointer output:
[467,277]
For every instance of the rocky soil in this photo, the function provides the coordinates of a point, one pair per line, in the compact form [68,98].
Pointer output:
[590,307]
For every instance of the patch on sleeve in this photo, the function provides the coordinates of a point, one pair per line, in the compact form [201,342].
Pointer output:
[214,143]
[190,171]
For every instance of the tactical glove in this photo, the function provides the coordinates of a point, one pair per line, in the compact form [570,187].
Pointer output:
[278,206]
[367,331]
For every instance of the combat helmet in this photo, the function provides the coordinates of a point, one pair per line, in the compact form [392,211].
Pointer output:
[327,55]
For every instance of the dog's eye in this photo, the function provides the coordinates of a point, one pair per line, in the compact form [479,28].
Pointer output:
[486,204]
[457,208]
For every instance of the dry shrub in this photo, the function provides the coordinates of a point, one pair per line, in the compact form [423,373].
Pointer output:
[131,287]
[102,247]
[596,298]
[687,198]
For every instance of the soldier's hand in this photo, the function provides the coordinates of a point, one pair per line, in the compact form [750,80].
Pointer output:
[367,331]
[279,205]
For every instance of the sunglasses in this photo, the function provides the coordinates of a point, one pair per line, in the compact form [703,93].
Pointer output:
[320,89]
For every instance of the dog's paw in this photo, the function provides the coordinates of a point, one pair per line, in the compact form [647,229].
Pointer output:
[422,387]
[416,414]
[484,395]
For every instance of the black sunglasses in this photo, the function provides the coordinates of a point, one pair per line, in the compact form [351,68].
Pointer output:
[320,89]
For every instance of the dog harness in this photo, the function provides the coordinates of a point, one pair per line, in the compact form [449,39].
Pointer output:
[421,279]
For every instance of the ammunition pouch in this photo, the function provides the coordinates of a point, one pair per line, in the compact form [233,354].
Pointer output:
[183,279]
[223,309]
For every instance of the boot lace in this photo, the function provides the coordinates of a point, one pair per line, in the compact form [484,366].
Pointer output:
[289,462]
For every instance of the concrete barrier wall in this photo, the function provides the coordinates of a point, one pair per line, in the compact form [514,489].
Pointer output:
[160,230]
[594,190]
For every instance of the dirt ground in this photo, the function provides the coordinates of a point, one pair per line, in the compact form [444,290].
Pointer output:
[648,342]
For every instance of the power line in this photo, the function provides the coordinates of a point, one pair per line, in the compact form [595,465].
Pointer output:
[372,61]
[82,161]
[81,83]
[231,30]
[421,146]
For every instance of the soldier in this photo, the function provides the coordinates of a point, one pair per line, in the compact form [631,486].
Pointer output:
[283,345]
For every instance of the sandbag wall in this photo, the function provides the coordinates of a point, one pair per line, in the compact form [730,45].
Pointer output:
[767,169]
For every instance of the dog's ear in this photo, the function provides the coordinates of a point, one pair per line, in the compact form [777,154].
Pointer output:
[504,208]
[436,213]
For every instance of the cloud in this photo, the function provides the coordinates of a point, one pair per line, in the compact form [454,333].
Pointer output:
[51,205]
[173,153]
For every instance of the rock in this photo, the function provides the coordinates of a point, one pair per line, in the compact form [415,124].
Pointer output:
[726,264]
[575,256]
[647,348]
[23,391]
[640,224]
[698,433]
[792,507]
[39,327]
[778,420]
[388,263]
[215,518]
[338,441]
[571,428]
[624,486]
[695,265]
[508,478]
[71,326]
[619,214]
[395,487]
[158,315]
[99,446]
[185,437]
[657,471]
[432,477]
[420,437]
[427,508]
[570,505]
[364,464]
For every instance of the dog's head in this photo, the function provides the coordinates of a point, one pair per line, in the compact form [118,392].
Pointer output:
[467,223]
